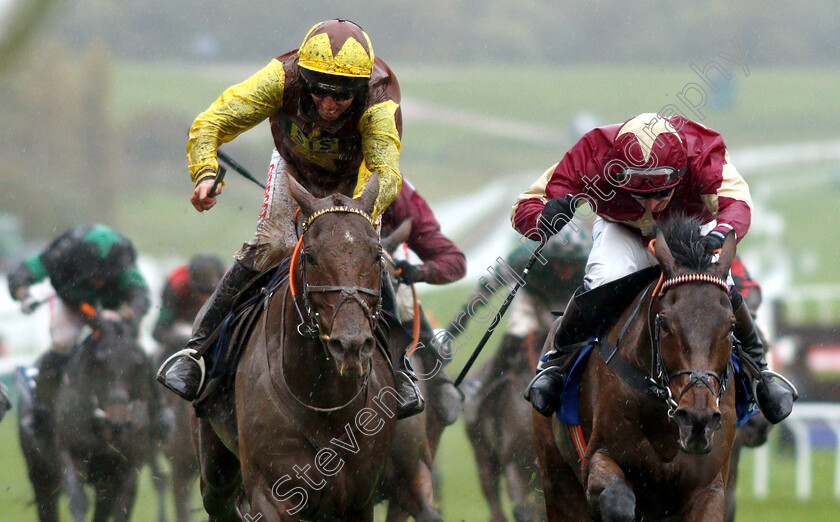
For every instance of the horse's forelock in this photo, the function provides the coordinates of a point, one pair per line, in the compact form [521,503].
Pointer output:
[682,233]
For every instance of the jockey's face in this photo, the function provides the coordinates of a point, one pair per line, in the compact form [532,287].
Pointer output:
[330,109]
[654,202]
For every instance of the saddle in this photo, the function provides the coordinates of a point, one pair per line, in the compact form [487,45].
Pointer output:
[224,346]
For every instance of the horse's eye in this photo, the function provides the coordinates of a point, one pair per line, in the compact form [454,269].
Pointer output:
[308,259]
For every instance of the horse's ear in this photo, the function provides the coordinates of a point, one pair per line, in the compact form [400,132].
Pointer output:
[664,256]
[727,254]
[301,195]
[368,197]
[397,237]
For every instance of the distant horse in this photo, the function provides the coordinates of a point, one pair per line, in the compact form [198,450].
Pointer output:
[104,427]
[307,427]
[498,425]
[657,419]
[406,482]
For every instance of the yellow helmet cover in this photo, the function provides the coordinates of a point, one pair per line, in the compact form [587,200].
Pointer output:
[337,47]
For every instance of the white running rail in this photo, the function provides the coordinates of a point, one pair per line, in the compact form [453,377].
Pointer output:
[804,414]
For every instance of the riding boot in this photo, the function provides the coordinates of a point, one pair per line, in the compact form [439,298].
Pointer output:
[411,400]
[47,383]
[546,389]
[182,372]
[774,400]
[444,397]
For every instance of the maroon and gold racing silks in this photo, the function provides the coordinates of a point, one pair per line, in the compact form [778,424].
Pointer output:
[362,143]
[711,187]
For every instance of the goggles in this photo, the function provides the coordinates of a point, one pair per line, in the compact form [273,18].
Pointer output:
[338,88]
[331,91]
[659,194]
[651,183]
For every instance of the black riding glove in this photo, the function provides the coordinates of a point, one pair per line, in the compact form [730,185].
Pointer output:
[409,274]
[713,240]
[555,215]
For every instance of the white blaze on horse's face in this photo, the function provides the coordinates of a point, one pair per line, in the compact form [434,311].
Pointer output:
[348,238]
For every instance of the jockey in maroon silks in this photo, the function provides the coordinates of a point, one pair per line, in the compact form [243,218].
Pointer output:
[635,175]
[442,262]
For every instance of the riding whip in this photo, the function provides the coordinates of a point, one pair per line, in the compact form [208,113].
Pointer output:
[238,168]
[501,312]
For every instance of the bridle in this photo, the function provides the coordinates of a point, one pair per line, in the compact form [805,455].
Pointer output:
[659,377]
[309,325]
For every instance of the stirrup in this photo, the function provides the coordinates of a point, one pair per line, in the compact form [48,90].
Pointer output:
[191,353]
[541,373]
[769,374]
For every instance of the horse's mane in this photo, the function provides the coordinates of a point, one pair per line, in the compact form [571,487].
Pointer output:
[682,233]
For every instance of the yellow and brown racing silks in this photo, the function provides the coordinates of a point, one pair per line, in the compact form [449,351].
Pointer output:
[342,156]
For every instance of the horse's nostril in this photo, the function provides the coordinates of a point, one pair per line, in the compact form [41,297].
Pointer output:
[697,421]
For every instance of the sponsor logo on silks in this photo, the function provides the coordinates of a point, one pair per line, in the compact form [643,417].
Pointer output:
[309,145]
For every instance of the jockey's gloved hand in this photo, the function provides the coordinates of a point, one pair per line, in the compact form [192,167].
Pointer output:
[408,273]
[714,240]
[555,215]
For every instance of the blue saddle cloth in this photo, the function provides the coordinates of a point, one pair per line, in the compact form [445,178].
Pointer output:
[569,413]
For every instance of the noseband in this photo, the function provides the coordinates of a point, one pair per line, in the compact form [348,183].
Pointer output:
[309,325]
[660,378]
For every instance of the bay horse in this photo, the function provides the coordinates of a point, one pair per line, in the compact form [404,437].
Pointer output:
[104,430]
[657,419]
[498,425]
[307,427]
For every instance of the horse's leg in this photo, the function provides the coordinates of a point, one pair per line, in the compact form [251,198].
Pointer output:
[607,491]
[364,514]
[489,471]
[127,495]
[564,499]
[160,481]
[183,474]
[732,481]
[417,499]
[108,486]
[519,488]
[708,503]
[74,487]
[43,467]
[220,476]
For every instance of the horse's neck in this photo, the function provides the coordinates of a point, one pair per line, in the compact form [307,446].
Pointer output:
[635,343]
